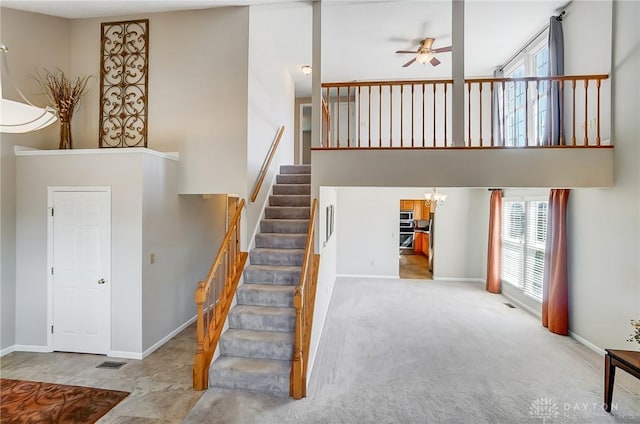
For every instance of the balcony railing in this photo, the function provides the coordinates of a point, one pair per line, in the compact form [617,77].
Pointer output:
[499,112]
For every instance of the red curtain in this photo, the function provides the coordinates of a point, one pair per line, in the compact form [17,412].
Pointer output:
[555,291]
[494,251]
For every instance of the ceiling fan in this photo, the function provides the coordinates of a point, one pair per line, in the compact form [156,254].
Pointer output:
[425,53]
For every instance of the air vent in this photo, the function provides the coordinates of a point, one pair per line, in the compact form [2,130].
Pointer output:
[111,365]
[509,305]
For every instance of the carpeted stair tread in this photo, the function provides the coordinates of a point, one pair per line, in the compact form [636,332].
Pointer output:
[257,347]
[295,226]
[272,274]
[266,295]
[293,179]
[289,200]
[268,256]
[291,189]
[251,373]
[257,344]
[282,240]
[287,212]
[269,318]
[295,169]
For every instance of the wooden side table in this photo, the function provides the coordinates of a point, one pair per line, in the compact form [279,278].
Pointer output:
[628,360]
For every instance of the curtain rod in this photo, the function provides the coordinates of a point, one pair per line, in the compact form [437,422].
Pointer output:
[528,43]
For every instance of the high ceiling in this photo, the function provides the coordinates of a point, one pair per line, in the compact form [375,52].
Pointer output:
[360,37]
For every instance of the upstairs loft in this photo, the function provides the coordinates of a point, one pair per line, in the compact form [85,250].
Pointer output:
[401,133]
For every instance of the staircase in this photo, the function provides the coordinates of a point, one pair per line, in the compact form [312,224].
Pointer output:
[256,350]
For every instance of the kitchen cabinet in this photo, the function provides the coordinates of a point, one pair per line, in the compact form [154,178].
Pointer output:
[417,242]
[417,209]
[426,210]
[406,205]
[425,244]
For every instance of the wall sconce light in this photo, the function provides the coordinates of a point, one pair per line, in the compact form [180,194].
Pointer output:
[19,117]
[306,69]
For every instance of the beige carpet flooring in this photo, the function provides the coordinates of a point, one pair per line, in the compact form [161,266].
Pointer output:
[406,351]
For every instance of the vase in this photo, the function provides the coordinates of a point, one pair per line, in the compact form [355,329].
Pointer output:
[66,141]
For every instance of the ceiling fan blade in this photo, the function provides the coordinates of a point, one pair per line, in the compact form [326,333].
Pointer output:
[409,63]
[442,50]
[434,61]
[427,43]
[406,51]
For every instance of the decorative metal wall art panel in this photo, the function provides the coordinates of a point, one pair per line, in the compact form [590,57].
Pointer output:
[124,83]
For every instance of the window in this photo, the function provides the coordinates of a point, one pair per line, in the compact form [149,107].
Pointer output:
[526,103]
[524,236]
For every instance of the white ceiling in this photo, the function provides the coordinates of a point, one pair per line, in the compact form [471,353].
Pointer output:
[360,37]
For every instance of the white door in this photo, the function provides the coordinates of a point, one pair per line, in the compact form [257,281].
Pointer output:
[81,271]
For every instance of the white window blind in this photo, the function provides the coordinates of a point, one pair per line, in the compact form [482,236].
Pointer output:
[524,232]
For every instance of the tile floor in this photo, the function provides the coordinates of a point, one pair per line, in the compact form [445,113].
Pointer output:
[160,385]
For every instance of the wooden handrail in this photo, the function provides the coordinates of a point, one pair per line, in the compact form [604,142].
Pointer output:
[266,164]
[304,302]
[213,298]
[401,114]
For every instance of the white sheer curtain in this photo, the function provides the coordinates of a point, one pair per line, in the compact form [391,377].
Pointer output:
[553,133]
[498,110]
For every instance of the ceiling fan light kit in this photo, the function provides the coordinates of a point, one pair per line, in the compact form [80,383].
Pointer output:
[424,53]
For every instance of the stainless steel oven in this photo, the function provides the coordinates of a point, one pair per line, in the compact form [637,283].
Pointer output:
[406,229]
[406,240]
[406,226]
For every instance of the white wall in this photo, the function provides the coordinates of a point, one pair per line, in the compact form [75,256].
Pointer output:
[327,270]
[182,232]
[460,235]
[35,42]
[587,31]
[148,301]
[197,91]
[271,96]
[604,228]
[464,167]
[368,230]
[34,175]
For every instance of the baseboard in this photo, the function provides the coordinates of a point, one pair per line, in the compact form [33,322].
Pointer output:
[469,280]
[587,343]
[386,277]
[7,350]
[124,354]
[168,337]
[31,348]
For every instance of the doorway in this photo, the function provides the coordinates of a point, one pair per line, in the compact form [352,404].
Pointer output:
[414,245]
[305,134]
[80,269]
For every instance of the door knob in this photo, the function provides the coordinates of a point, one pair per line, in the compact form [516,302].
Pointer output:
[101,281]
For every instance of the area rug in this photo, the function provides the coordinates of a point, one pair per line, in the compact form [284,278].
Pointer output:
[35,402]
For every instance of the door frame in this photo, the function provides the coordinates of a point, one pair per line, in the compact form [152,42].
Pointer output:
[51,190]
[299,136]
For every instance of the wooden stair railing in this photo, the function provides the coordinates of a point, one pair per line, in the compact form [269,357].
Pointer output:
[304,302]
[415,114]
[266,164]
[213,298]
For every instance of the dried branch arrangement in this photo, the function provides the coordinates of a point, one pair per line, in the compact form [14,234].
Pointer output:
[61,92]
